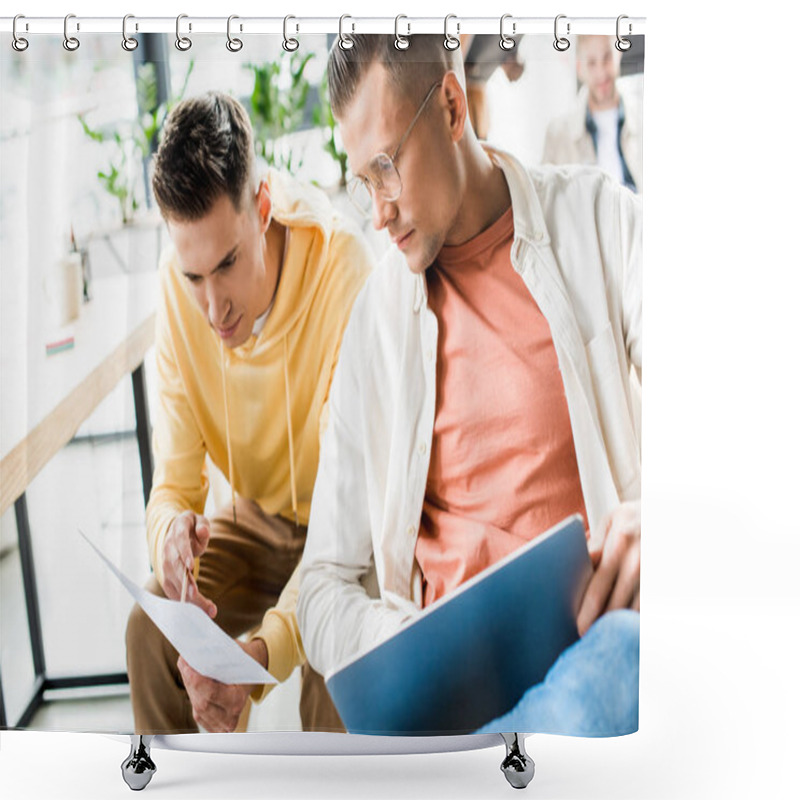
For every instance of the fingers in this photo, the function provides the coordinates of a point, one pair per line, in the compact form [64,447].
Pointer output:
[178,556]
[626,586]
[615,582]
[190,534]
[174,569]
[201,534]
[193,596]
[181,539]
[594,600]
[187,539]
[597,539]
[216,706]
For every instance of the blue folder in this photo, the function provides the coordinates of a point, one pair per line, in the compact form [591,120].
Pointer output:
[469,657]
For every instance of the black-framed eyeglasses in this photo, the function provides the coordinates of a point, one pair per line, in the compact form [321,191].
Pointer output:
[381,176]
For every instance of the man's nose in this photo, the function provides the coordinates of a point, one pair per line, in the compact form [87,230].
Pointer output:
[382,212]
[218,306]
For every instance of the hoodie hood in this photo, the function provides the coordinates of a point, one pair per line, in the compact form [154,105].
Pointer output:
[309,218]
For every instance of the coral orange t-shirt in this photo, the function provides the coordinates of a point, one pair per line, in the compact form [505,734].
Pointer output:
[503,468]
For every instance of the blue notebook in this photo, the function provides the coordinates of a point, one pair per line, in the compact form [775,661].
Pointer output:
[469,657]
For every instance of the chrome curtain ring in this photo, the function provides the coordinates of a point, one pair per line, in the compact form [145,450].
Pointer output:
[561,43]
[401,42]
[506,42]
[183,43]
[19,43]
[128,42]
[290,44]
[234,44]
[345,42]
[70,43]
[451,42]
[622,44]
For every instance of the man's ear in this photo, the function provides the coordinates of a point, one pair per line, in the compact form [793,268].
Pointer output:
[263,205]
[456,104]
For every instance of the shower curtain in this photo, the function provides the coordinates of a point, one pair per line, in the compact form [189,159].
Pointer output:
[383,388]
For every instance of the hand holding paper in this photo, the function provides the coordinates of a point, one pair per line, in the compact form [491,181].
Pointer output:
[199,640]
[217,706]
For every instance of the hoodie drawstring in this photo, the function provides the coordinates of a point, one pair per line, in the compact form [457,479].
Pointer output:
[223,356]
[224,359]
[289,426]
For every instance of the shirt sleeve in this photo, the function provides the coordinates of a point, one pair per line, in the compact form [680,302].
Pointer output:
[348,252]
[630,236]
[279,630]
[337,617]
[180,480]
[280,634]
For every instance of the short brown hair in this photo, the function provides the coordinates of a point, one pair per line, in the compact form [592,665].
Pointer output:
[411,71]
[206,151]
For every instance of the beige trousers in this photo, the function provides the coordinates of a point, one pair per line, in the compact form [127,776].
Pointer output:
[243,570]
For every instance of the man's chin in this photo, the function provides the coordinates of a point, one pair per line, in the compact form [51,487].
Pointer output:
[418,264]
[415,267]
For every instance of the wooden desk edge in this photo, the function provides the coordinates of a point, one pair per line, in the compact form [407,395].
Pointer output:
[23,463]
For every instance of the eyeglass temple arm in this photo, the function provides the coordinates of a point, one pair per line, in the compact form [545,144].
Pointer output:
[416,117]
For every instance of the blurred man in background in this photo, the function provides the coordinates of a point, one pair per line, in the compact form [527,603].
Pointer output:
[604,125]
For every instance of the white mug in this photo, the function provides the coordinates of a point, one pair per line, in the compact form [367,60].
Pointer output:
[64,288]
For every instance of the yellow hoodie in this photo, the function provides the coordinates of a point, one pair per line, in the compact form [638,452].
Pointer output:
[255,409]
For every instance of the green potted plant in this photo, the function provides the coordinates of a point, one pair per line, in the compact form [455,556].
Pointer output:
[132,140]
[277,106]
[323,118]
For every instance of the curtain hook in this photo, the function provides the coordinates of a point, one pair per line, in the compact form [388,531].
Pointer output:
[234,44]
[506,42]
[451,42]
[128,42]
[561,43]
[622,44]
[401,42]
[183,43]
[19,43]
[289,44]
[345,42]
[70,43]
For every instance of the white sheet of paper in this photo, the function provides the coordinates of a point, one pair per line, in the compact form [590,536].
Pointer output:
[202,643]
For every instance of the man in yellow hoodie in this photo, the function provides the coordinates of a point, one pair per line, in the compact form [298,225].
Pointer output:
[254,298]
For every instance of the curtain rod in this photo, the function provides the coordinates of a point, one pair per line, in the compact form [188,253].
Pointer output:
[298,25]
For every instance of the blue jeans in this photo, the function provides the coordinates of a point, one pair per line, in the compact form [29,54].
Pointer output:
[591,690]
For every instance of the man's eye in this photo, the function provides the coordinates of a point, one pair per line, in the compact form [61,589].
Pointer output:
[193,278]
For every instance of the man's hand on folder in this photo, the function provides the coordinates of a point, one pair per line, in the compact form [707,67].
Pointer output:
[615,583]
[217,706]
[187,539]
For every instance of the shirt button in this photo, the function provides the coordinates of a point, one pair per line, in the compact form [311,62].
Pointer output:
[411,530]
[538,236]
[429,355]
[422,448]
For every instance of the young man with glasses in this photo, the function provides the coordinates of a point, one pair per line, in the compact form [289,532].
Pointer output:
[482,393]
